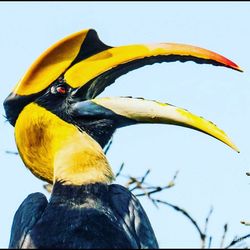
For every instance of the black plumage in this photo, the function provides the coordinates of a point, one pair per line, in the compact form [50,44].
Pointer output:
[90,216]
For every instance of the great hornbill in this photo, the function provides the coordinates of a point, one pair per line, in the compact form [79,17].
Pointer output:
[61,128]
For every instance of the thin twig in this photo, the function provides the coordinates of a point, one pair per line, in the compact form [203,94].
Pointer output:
[223,235]
[210,242]
[11,152]
[154,202]
[202,236]
[237,240]
[242,245]
[108,146]
[203,241]
[145,175]
[139,183]
[157,188]
[131,181]
[120,170]
[175,175]
[207,219]
[148,190]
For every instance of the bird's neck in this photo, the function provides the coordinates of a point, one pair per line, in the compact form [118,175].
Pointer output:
[55,150]
[79,194]
[80,161]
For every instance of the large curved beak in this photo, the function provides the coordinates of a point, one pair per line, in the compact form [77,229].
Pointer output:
[89,66]
[98,71]
[127,111]
[85,61]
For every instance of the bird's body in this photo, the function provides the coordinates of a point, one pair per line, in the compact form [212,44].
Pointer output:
[88,216]
[61,128]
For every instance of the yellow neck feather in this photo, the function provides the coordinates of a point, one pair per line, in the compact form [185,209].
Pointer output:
[55,150]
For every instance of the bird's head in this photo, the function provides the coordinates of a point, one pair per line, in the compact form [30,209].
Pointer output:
[67,78]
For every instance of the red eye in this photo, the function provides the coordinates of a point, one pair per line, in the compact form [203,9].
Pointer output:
[61,90]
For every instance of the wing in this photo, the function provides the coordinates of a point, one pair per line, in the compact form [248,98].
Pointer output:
[135,220]
[27,215]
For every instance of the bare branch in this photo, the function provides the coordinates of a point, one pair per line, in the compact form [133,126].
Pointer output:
[107,147]
[210,242]
[203,241]
[175,175]
[223,235]
[156,189]
[133,180]
[154,202]
[139,183]
[202,235]
[237,240]
[11,152]
[120,170]
[207,219]
[145,175]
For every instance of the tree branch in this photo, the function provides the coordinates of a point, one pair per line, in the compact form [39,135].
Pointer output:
[237,240]
[203,241]
[223,235]
[149,190]
[11,152]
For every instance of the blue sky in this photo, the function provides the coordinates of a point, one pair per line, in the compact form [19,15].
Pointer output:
[210,172]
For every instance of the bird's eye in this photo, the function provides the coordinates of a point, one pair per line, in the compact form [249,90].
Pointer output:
[62,90]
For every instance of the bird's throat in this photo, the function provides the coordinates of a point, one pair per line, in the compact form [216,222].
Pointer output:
[55,150]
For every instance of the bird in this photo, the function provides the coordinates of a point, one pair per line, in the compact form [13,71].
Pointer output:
[61,127]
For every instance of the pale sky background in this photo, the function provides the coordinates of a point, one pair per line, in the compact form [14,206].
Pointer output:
[211,174]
